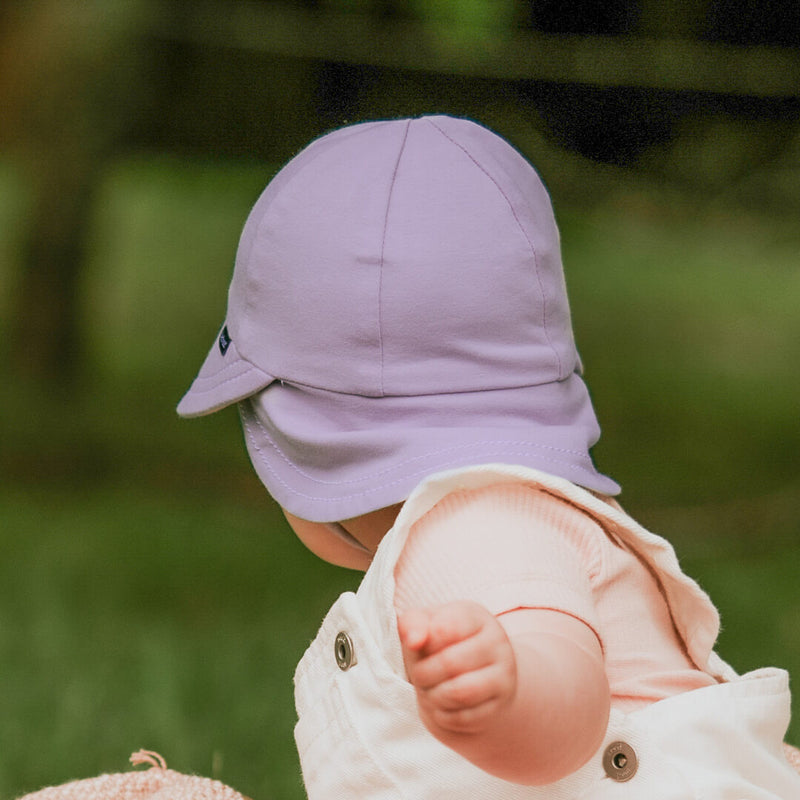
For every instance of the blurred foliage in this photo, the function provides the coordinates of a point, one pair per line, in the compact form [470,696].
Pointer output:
[481,17]
[67,84]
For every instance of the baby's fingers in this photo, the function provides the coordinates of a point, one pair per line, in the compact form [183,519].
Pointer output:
[465,656]
[413,627]
[467,690]
[467,702]
[424,631]
[455,622]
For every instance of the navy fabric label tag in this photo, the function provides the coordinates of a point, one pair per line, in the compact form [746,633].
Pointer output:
[224,340]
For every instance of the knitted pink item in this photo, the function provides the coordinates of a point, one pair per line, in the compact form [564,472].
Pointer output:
[156,783]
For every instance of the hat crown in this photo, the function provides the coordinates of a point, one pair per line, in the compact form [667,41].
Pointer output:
[398,308]
[404,257]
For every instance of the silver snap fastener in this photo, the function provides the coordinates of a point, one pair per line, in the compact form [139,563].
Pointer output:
[343,649]
[620,762]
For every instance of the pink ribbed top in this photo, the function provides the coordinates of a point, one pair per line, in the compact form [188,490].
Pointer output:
[516,546]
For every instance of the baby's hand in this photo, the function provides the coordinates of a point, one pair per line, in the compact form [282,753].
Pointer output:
[459,659]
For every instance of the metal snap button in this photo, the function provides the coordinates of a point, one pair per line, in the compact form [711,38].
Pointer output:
[344,651]
[620,762]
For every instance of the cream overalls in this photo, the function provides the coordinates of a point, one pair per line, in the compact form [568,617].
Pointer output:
[359,735]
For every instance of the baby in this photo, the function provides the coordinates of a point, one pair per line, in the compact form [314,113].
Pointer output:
[398,339]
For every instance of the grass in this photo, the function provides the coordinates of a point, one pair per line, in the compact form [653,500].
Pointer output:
[140,619]
[152,596]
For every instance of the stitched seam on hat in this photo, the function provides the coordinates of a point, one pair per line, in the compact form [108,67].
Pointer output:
[373,489]
[254,419]
[213,378]
[522,230]
[383,248]
[522,442]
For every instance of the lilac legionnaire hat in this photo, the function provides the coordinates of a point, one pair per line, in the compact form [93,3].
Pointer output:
[398,308]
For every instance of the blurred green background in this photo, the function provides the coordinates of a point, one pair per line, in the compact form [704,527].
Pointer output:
[150,593]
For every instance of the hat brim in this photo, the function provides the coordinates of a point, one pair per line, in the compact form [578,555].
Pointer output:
[326,456]
[224,379]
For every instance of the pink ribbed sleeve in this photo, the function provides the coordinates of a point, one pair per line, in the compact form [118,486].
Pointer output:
[515,546]
[505,546]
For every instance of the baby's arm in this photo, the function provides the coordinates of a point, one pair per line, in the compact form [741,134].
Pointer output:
[524,696]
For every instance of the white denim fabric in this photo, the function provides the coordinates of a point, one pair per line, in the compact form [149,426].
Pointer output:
[359,734]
